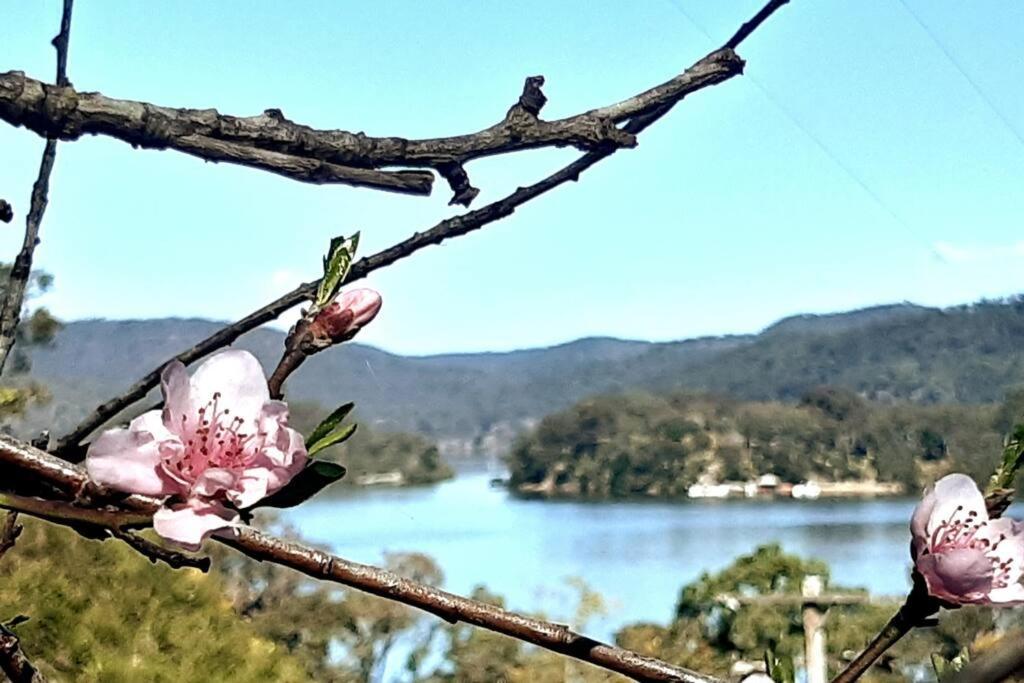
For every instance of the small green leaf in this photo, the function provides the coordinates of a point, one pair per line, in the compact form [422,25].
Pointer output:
[1013,458]
[331,439]
[329,424]
[317,475]
[779,669]
[336,266]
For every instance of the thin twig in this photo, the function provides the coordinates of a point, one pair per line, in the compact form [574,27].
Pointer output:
[70,478]
[454,608]
[21,271]
[749,27]
[67,446]
[13,662]
[158,553]
[918,607]
[10,532]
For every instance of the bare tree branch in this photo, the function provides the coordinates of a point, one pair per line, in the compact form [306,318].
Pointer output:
[9,532]
[13,662]
[453,608]
[67,446]
[273,143]
[14,296]
[749,27]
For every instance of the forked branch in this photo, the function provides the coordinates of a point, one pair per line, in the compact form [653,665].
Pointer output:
[720,62]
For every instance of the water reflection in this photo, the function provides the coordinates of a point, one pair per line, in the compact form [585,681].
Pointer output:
[637,555]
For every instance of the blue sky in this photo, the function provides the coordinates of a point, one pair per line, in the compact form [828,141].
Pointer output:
[855,163]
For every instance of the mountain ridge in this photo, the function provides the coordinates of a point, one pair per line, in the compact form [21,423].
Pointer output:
[968,353]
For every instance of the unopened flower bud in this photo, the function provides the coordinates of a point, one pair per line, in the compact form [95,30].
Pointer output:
[343,318]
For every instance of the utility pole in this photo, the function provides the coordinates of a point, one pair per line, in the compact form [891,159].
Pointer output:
[815,659]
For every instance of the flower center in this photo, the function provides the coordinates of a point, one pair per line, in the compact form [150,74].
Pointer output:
[212,438]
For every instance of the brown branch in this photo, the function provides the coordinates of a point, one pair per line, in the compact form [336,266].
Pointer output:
[749,27]
[67,446]
[454,608]
[17,283]
[10,532]
[320,565]
[13,662]
[158,553]
[273,143]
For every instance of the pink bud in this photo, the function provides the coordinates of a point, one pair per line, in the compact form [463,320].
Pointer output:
[348,314]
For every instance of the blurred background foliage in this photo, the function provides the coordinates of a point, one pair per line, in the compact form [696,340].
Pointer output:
[99,612]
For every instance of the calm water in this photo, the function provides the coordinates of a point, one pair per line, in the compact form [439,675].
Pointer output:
[637,555]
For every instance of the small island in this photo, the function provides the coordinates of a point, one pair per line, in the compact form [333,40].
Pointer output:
[831,443]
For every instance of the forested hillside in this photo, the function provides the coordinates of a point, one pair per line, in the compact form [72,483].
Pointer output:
[966,354]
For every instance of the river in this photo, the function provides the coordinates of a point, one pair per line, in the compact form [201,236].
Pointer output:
[636,554]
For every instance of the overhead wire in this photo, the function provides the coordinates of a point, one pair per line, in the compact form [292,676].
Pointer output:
[848,170]
[982,95]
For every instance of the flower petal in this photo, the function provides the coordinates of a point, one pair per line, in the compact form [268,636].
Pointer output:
[957,498]
[238,378]
[251,487]
[128,461]
[1010,595]
[962,576]
[176,388]
[214,480]
[189,524]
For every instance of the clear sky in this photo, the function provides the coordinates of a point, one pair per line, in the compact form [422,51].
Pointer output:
[873,153]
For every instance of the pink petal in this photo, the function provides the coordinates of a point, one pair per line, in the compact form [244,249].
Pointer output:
[364,303]
[189,524]
[1010,595]
[214,480]
[956,498]
[251,487]
[128,461]
[239,380]
[961,576]
[919,521]
[176,388]
[1005,538]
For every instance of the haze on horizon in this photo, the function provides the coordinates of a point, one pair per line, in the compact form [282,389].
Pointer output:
[783,192]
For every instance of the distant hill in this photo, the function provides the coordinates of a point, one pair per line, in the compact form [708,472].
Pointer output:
[969,354]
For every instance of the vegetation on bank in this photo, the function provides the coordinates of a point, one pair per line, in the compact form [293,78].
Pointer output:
[395,458]
[155,624]
[657,446]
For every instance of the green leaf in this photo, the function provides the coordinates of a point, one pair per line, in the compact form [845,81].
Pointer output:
[317,475]
[329,424]
[1013,458]
[779,669]
[336,266]
[331,439]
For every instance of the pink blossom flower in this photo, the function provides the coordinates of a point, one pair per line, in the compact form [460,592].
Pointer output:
[219,439]
[344,317]
[963,556]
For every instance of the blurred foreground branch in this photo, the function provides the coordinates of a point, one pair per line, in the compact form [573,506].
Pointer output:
[13,662]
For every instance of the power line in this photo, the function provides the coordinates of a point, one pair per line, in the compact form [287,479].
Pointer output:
[820,144]
[963,72]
